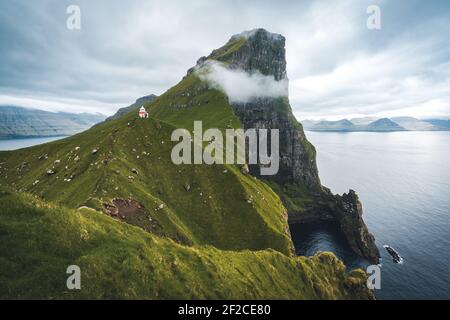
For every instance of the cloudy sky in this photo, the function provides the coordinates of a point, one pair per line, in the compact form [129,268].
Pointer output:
[126,49]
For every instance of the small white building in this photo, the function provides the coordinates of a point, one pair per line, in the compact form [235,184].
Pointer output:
[143,114]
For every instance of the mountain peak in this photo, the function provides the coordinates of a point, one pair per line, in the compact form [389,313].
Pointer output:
[253,51]
[259,32]
[258,50]
[384,124]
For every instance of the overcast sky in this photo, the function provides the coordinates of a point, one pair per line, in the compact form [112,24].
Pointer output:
[127,49]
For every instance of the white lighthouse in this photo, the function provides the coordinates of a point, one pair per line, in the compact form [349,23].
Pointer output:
[143,113]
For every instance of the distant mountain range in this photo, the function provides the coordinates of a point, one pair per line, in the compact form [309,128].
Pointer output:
[378,125]
[18,122]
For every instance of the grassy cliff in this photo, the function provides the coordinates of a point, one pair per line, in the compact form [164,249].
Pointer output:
[140,227]
[39,240]
[129,159]
[188,231]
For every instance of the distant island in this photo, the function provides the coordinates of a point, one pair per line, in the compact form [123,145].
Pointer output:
[19,122]
[371,124]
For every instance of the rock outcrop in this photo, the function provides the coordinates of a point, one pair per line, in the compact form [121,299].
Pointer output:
[261,52]
[348,212]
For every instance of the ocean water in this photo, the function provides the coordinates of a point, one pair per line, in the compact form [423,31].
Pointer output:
[403,180]
[14,144]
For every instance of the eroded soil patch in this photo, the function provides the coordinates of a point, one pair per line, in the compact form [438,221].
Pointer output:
[132,212]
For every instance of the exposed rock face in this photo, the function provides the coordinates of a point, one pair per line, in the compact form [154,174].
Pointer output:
[346,211]
[259,51]
[132,212]
[349,214]
[262,51]
[297,164]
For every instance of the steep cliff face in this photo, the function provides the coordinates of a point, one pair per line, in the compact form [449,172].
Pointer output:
[349,214]
[262,52]
[297,182]
[297,155]
[255,51]
[229,231]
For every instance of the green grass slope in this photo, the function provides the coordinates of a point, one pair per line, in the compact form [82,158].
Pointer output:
[188,203]
[192,100]
[38,241]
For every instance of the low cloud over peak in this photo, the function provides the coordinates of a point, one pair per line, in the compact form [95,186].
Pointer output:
[240,86]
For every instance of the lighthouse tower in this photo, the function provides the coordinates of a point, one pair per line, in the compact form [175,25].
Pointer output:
[143,113]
